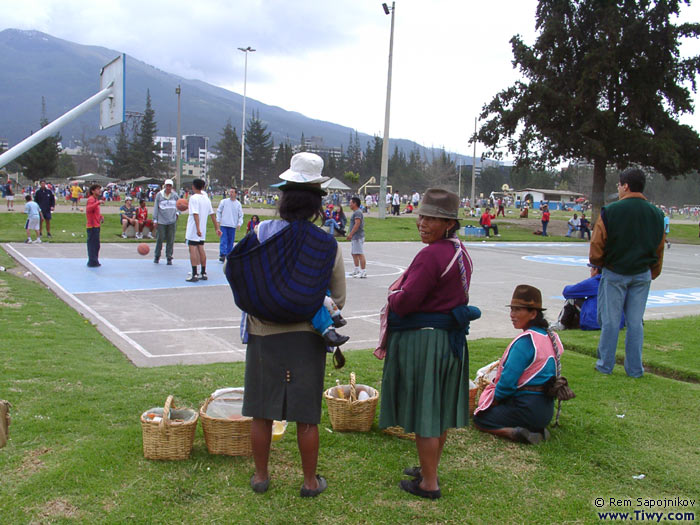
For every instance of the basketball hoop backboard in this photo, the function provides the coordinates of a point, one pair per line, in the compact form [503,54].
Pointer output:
[112,109]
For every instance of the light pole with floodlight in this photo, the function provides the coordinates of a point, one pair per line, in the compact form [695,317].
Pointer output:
[246,50]
[385,144]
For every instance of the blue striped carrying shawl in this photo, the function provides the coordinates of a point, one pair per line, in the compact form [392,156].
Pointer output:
[285,278]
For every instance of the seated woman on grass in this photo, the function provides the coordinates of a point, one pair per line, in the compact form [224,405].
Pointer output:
[515,406]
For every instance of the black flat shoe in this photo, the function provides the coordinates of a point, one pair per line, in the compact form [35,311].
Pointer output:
[413,487]
[312,493]
[523,435]
[338,321]
[414,472]
[333,338]
[259,487]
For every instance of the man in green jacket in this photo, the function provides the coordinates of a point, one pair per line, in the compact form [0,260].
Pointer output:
[628,243]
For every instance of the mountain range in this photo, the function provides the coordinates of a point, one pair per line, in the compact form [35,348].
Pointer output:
[36,65]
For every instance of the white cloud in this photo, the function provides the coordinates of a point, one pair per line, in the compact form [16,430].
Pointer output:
[327,60]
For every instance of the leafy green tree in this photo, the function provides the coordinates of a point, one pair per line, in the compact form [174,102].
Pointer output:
[41,161]
[119,160]
[66,167]
[604,82]
[144,161]
[226,167]
[351,177]
[258,150]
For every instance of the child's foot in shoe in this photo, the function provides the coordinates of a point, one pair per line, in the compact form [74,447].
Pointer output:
[338,321]
[333,338]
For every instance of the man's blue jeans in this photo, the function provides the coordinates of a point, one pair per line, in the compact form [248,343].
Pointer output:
[618,293]
[544,228]
[228,235]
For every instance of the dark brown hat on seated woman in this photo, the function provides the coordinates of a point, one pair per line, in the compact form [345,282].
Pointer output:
[439,203]
[526,296]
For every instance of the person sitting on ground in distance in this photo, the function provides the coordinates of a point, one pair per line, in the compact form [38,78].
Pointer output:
[408,208]
[485,223]
[143,220]
[515,406]
[573,223]
[252,223]
[584,227]
[581,308]
[336,221]
[127,216]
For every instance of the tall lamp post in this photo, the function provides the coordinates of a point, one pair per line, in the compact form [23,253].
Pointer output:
[385,144]
[178,143]
[246,50]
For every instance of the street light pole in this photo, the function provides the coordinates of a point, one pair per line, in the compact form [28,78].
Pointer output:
[246,50]
[471,202]
[385,143]
[178,143]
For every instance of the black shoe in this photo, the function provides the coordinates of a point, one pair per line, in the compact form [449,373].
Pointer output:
[261,486]
[203,277]
[156,260]
[222,258]
[338,321]
[192,278]
[170,261]
[333,338]
[413,487]
[96,265]
[312,493]
[523,435]
[414,472]
[51,236]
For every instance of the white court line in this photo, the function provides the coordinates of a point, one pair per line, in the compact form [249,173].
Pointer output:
[229,327]
[92,312]
[194,328]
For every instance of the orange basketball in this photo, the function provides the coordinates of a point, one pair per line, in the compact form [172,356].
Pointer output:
[182,204]
[143,248]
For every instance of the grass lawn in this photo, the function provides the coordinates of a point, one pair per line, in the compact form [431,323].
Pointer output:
[70,227]
[75,450]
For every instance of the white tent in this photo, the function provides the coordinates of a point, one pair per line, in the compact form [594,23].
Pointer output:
[334,184]
[94,177]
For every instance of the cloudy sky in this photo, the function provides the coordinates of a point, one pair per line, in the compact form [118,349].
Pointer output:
[326,59]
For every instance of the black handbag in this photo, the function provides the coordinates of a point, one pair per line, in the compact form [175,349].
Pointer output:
[559,388]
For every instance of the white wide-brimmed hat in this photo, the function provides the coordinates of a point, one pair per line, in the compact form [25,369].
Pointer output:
[305,168]
[168,181]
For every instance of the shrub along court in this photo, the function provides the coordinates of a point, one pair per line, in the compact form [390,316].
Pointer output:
[75,450]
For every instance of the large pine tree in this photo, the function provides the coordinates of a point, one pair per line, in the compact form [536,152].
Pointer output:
[604,81]
[120,164]
[145,161]
[258,149]
[226,167]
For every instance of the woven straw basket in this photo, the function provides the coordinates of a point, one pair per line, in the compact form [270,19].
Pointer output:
[228,437]
[350,414]
[169,439]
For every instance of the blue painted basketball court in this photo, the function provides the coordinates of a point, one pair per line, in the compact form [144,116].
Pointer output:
[156,318]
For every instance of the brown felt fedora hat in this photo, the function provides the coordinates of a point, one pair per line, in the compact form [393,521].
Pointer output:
[439,203]
[526,296]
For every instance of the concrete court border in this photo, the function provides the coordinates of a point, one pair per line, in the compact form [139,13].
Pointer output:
[498,267]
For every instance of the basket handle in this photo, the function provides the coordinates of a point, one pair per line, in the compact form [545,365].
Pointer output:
[165,420]
[353,391]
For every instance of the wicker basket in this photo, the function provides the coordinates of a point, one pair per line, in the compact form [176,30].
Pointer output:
[349,414]
[473,396]
[228,437]
[168,439]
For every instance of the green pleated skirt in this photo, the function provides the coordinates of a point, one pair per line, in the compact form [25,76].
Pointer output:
[425,388]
